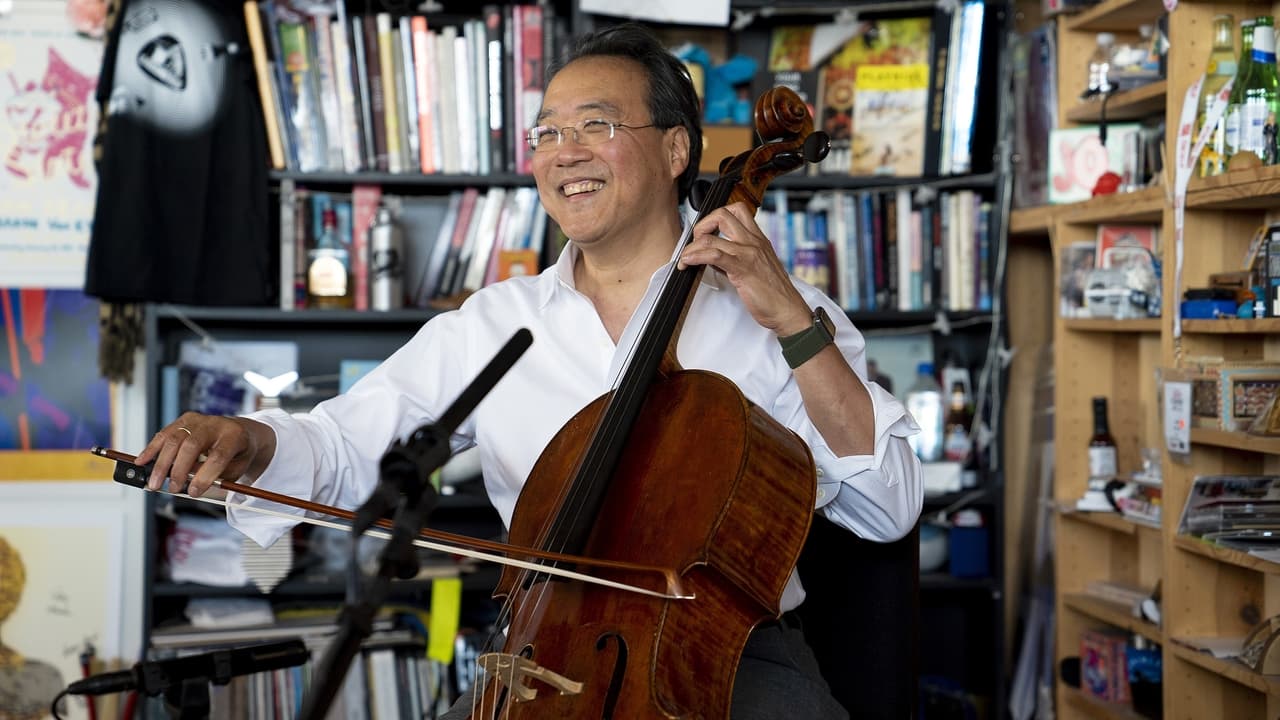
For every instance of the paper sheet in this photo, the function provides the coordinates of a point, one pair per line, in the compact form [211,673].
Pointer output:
[704,12]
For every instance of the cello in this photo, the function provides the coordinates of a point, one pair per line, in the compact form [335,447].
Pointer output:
[673,468]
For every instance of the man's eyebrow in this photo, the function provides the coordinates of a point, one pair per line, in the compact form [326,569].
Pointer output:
[601,106]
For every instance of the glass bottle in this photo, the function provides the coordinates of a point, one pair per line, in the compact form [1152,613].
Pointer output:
[329,267]
[1100,65]
[1102,446]
[1231,127]
[924,402]
[1261,95]
[1220,68]
[956,445]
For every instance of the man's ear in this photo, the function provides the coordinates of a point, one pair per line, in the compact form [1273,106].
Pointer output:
[679,150]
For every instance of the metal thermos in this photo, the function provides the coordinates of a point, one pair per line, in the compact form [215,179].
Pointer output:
[386,262]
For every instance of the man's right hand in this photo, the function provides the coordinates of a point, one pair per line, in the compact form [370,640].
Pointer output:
[206,448]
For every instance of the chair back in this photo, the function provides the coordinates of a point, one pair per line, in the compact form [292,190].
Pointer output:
[861,616]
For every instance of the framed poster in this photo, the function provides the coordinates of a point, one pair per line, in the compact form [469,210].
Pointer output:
[48,114]
[61,583]
[54,406]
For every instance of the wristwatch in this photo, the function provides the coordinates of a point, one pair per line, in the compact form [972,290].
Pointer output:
[798,348]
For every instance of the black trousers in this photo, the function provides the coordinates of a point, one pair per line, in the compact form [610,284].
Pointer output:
[778,677]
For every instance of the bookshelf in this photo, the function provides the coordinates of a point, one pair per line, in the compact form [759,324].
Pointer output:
[325,337]
[1207,591]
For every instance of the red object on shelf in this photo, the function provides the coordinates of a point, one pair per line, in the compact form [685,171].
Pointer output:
[1108,182]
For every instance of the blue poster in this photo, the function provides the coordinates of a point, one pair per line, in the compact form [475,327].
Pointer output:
[51,395]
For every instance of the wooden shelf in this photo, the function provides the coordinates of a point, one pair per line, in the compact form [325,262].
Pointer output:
[1113,614]
[274,315]
[1230,669]
[1255,188]
[400,180]
[1236,441]
[1141,206]
[1140,102]
[1117,15]
[1143,325]
[1032,220]
[1098,708]
[1226,555]
[1109,520]
[1232,326]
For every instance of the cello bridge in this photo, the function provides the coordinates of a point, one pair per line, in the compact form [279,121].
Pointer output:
[512,670]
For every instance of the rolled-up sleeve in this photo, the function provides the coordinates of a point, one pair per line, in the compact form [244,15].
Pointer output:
[309,463]
[877,496]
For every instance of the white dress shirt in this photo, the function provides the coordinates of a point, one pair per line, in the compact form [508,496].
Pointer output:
[331,454]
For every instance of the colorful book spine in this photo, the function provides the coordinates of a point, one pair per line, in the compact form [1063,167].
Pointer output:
[390,102]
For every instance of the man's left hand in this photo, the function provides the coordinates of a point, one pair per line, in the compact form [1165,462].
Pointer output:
[729,239]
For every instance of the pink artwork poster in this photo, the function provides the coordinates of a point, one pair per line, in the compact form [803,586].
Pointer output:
[48,73]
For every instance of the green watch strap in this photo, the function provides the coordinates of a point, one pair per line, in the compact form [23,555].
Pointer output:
[797,349]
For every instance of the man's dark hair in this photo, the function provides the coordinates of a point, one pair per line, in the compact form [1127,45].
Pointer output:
[673,102]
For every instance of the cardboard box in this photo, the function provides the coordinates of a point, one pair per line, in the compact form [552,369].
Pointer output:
[721,141]
[1103,673]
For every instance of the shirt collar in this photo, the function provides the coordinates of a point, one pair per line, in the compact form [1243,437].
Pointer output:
[561,276]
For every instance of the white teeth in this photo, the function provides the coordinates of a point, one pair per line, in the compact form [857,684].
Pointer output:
[581,187]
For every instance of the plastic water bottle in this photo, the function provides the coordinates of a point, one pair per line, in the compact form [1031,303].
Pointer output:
[1100,65]
[924,402]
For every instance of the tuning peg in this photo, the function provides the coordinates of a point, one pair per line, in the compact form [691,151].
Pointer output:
[816,146]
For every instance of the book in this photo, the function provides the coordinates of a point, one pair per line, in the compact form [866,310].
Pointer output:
[365,199]
[962,95]
[478,60]
[495,86]
[446,84]
[266,92]
[891,94]
[326,71]
[424,64]
[392,105]
[1125,246]
[484,240]
[420,219]
[529,77]
[302,90]
[348,100]
[363,87]
[427,287]
[409,83]
[373,75]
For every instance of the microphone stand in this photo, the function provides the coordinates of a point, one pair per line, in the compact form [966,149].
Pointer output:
[404,484]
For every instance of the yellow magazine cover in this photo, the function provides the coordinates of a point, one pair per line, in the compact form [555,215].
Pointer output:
[889,65]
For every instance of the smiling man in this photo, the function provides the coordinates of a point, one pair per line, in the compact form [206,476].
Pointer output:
[614,153]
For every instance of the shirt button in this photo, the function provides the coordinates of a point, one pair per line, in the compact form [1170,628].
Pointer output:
[821,493]
[819,472]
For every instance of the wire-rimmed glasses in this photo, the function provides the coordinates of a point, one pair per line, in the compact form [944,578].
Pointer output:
[592,131]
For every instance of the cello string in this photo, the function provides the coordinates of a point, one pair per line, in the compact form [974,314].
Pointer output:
[574,494]
[666,300]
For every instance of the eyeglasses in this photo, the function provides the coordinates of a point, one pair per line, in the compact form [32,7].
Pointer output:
[595,131]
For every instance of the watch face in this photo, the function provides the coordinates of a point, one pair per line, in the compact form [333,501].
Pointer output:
[820,316]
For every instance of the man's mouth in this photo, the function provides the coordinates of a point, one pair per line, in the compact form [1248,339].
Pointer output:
[580,187]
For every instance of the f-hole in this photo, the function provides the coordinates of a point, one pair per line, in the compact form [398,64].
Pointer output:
[619,669]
